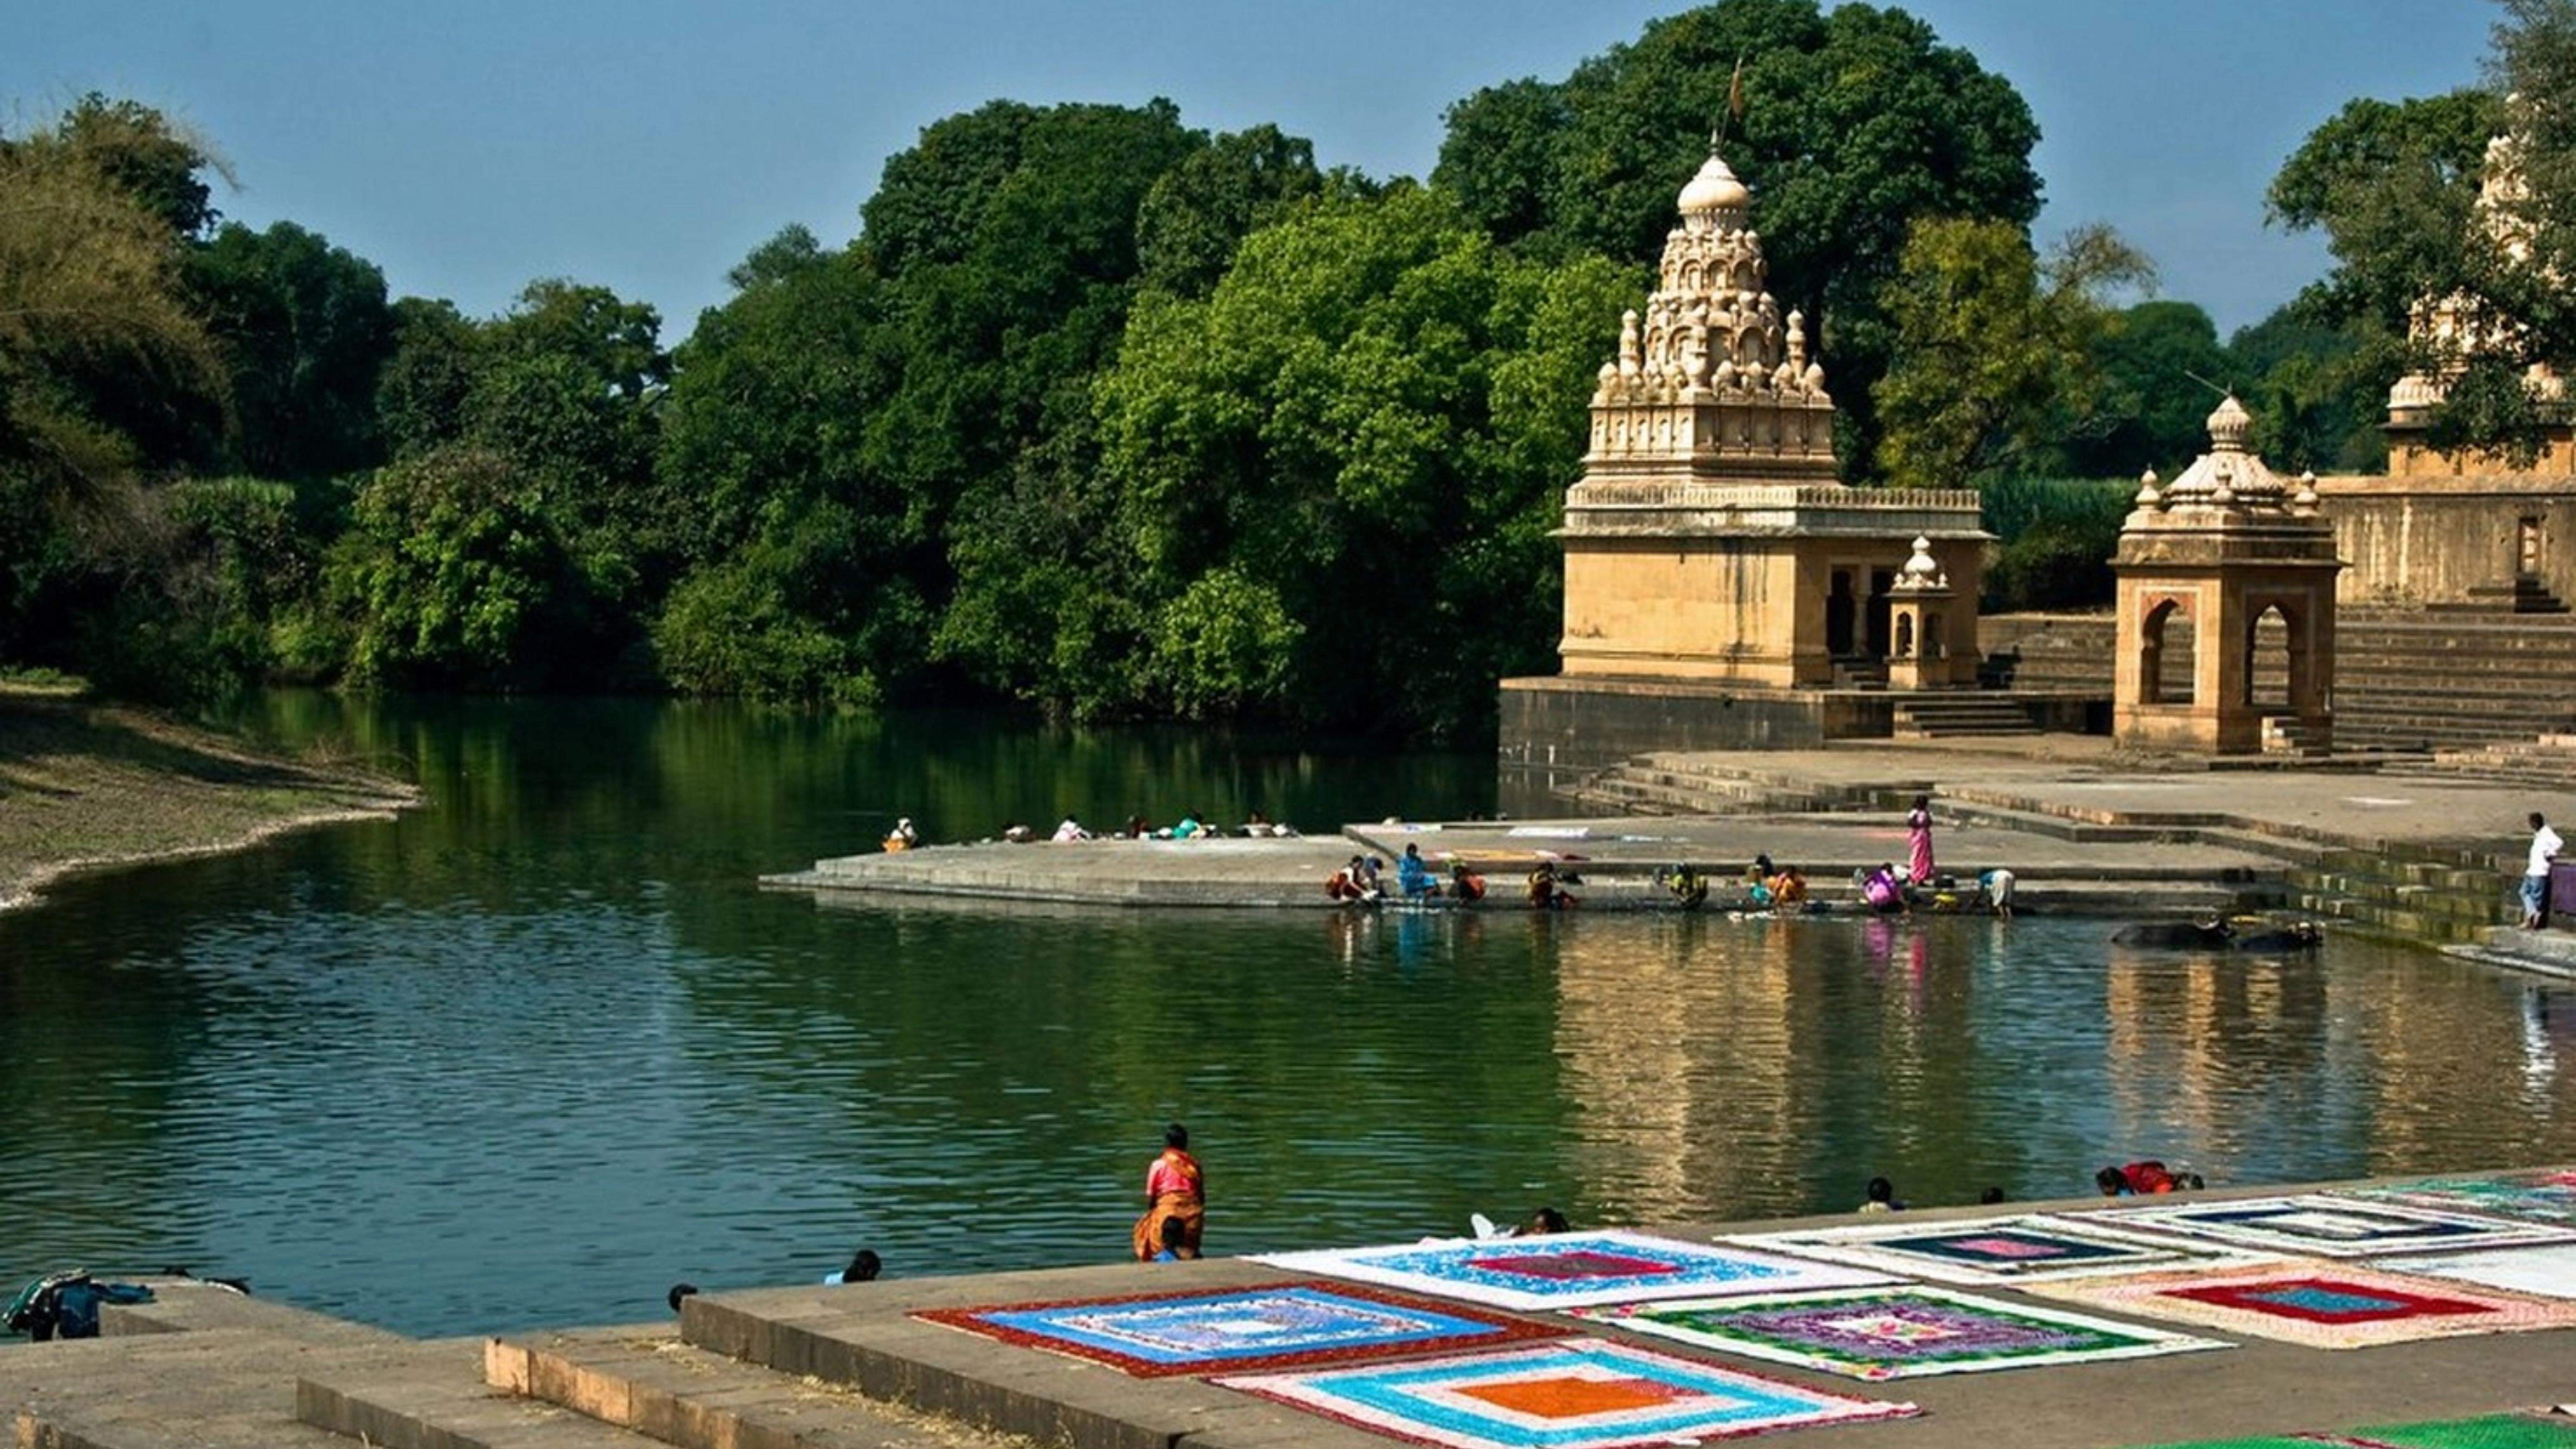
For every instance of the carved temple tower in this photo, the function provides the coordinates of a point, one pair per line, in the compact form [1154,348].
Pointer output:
[1709,538]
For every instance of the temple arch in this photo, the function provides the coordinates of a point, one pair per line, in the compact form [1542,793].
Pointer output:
[2165,656]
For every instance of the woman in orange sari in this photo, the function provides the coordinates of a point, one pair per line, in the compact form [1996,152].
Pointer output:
[1175,1187]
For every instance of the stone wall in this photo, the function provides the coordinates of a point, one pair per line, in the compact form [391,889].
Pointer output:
[2414,542]
[1591,724]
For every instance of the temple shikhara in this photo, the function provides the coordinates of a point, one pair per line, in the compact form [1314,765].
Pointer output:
[1716,570]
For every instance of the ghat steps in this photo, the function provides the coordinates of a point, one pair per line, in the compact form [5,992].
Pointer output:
[2402,680]
[2546,761]
[1962,713]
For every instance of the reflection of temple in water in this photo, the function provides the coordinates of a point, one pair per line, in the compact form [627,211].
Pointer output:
[2375,1070]
[1727,1068]
[1680,1076]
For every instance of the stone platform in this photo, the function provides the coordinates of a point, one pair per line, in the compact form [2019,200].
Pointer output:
[851,1368]
[1617,860]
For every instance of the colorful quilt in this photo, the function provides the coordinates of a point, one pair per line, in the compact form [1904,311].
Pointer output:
[2548,1270]
[2024,1249]
[2328,1226]
[1241,1328]
[1579,1394]
[2547,1196]
[1891,1333]
[1565,1269]
[2321,1305]
[2495,1431]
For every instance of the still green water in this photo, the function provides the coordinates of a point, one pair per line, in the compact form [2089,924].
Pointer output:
[533,1054]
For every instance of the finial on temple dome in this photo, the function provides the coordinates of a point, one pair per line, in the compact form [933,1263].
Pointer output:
[1715,194]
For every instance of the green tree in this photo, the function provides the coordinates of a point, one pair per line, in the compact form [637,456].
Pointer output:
[1858,124]
[998,324]
[458,577]
[1993,348]
[1189,224]
[421,391]
[143,153]
[105,372]
[2394,188]
[2153,364]
[2318,394]
[803,558]
[306,331]
[1336,477]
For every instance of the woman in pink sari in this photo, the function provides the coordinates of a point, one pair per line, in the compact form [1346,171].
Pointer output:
[1918,842]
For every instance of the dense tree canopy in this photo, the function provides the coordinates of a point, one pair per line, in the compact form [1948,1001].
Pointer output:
[2396,189]
[1336,477]
[305,332]
[1115,416]
[2155,365]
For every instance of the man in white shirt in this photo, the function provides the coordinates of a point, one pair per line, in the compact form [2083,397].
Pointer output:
[2545,846]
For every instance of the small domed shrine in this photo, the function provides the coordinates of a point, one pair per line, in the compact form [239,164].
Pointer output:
[2225,553]
[1709,542]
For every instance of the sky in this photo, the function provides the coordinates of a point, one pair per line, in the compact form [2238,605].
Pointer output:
[469,146]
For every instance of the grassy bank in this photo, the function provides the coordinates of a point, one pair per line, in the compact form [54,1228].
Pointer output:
[85,786]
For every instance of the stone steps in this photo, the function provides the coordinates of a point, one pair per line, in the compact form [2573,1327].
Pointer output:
[436,1397]
[2547,761]
[656,1385]
[1948,716]
[216,1389]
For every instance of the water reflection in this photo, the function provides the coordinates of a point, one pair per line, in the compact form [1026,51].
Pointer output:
[533,1054]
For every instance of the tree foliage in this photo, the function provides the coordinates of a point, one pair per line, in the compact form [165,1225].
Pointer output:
[2396,189]
[106,374]
[1335,478]
[305,332]
[1994,347]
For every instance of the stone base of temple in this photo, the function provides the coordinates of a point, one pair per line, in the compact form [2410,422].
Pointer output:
[2479,540]
[1576,724]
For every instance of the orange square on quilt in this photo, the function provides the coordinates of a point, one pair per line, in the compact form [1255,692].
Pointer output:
[1573,1397]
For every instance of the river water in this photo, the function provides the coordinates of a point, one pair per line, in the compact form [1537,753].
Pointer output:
[537,1052]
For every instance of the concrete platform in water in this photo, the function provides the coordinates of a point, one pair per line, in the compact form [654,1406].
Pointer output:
[777,1368]
[1617,859]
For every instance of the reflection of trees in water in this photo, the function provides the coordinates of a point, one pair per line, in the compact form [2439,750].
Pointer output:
[530,798]
[969,1073]
[99,1028]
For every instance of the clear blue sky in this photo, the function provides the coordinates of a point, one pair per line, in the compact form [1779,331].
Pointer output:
[470,146]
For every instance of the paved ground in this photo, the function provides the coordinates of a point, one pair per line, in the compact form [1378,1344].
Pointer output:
[2166,834]
[225,1373]
[2083,775]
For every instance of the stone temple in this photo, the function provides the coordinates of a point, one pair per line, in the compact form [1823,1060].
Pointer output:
[2465,529]
[1722,587]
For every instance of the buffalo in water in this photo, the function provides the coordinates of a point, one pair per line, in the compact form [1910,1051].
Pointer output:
[2260,936]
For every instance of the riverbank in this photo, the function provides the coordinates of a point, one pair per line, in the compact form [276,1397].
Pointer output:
[87,787]
[886,1363]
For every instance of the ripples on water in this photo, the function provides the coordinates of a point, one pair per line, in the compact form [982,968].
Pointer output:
[539,1052]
